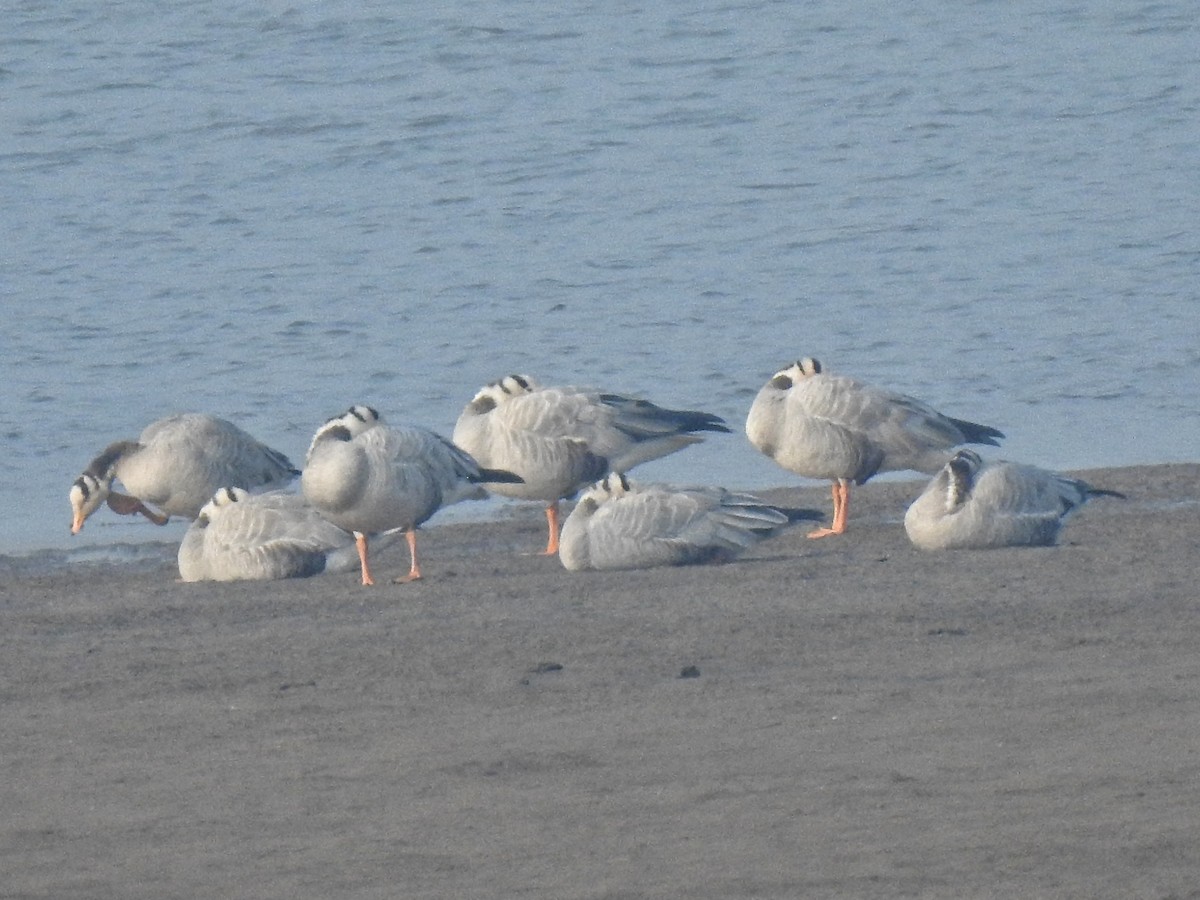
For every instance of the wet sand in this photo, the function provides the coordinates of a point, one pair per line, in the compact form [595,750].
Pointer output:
[839,718]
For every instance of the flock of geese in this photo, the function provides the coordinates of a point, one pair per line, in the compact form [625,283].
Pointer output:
[365,482]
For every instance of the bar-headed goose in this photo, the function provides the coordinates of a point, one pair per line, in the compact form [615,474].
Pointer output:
[975,504]
[618,524]
[240,536]
[561,439]
[368,477]
[176,465]
[834,427]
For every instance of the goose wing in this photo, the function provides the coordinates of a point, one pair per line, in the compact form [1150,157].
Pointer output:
[546,437]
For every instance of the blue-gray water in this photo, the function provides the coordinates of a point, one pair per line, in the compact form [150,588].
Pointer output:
[271,210]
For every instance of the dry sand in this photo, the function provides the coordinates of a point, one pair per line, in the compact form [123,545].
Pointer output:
[863,720]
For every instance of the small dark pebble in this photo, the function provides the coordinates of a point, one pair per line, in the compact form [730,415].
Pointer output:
[690,672]
[289,686]
[542,669]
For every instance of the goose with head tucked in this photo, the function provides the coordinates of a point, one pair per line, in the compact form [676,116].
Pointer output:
[561,439]
[973,504]
[368,478]
[618,524]
[834,427]
[175,466]
[240,536]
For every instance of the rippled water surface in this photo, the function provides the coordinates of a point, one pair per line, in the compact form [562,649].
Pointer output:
[269,211]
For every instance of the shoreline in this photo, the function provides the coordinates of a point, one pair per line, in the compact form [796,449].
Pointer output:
[138,544]
[844,717]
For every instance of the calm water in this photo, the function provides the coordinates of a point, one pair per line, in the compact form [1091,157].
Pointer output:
[269,211]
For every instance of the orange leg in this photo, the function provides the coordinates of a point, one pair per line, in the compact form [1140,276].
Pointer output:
[552,525]
[129,506]
[360,541]
[841,511]
[414,573]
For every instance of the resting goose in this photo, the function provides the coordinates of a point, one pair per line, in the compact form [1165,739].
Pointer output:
[561,439]
[240,536]
[975,504]
[368,477]
[621,525]
[838,428]
[176,465]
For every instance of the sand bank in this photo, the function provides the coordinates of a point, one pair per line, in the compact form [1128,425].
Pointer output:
[846,717]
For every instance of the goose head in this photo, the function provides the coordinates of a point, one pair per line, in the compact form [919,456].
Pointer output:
[784,379]
[610,487]
[94,486]
[492,395]
[223,498]
[960,477]
[86,495]
[345,427]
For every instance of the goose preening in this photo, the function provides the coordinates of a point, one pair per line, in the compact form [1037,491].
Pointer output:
[176,465]
[618,524]
[368,477]
[240,536]
[975,504]
[561,439]
[835,427]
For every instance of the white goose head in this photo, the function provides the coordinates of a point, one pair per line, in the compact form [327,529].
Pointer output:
[220,500]
[610,487]
[492,395]
[94,486]
[86,495]
[784,379]
[346,427]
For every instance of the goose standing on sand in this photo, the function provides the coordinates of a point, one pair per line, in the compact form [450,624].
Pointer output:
[176,465]
[561,439]
[621,525]
[368,478]
[838,428]
[975,504]
[240,536]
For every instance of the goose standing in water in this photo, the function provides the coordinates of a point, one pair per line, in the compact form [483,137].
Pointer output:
[240,536]
[367,478]
[561,439]
[975,504]
[176,465]
[620,525]
[838,428]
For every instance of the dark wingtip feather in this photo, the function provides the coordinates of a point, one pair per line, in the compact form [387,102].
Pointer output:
[499,476]
[692,420]
[974,433]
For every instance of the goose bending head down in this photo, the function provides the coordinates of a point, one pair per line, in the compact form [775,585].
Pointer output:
[834,427]
[369,478]
[176,465]
[973,504]
[562,439]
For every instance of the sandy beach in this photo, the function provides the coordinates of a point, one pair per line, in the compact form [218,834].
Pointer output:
[848,717]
